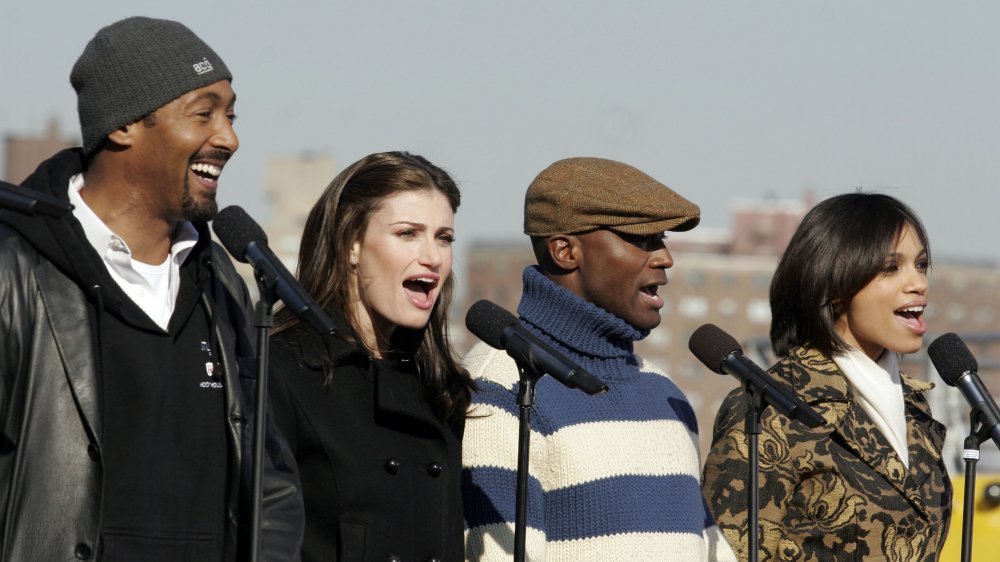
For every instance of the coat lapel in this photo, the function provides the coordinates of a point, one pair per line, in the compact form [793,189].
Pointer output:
[397,390]
[926,437]
[67,313]
[863,437]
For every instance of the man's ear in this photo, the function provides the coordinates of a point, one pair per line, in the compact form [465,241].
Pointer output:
[124,135]
[564,251]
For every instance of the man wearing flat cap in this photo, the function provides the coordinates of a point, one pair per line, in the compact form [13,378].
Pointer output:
[127,369]
[614,476]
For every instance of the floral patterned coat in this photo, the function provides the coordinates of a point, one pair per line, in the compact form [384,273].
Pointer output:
[838,492]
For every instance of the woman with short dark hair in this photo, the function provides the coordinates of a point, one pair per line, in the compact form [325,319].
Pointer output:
[375,414]
[847,299]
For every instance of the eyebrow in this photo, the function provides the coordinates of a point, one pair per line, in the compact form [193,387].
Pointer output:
[417,224]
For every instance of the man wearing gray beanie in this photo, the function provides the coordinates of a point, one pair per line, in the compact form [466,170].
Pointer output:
[127,368]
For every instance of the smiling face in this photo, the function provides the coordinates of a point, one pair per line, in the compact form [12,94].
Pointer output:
[402,262]
[622,273]
[181,149]
[888,312]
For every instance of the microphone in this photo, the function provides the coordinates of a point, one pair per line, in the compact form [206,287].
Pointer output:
[957,367]
[246,241]
[30,202]
[501,330]
[721,353]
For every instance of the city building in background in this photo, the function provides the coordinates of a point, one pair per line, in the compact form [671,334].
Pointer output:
[24,152]
[293,184]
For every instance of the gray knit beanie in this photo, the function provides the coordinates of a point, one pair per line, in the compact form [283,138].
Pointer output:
[133,67]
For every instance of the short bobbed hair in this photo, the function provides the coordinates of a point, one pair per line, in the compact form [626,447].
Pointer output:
[839,247]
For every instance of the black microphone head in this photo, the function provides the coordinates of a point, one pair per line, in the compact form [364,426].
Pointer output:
[710,344]
[236,230]
[487,322]
[951,358]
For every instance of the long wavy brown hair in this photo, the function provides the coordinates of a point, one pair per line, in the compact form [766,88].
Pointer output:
[337,220]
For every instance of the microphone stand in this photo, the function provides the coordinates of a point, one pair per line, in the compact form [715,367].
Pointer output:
[752,428]
[263,321]
[525,403]
[979,419]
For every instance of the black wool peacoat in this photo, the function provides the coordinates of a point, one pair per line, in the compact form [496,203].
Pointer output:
[380,473]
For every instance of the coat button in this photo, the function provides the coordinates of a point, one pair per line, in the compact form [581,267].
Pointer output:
[434,469]
[391,466]
[94,452]
[394,558]
[82,551]
[434,560]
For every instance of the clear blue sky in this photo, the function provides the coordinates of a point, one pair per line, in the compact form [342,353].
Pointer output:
[716,99]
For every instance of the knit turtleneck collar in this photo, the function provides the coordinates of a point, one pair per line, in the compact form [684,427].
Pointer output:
[573,323]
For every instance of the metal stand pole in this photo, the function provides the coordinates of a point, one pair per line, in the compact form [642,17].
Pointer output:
[525,402]
[263,321]
[979,419]
[755,407]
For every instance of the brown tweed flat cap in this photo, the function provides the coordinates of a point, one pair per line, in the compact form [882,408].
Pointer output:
[582,194]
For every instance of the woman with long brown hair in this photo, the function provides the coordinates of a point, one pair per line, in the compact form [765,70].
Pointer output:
[375,413]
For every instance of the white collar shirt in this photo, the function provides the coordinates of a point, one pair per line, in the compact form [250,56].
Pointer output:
[152,287]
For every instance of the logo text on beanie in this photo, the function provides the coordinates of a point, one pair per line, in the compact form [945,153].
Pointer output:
[203,67]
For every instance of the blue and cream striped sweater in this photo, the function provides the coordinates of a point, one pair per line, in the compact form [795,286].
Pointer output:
[612,477]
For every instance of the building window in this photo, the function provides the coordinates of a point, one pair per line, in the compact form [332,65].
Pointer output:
[728,307]
[759,311]
[693,307]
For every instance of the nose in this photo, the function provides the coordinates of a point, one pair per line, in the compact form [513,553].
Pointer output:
[225,136]
[431,254]
[660,258]
[917,283]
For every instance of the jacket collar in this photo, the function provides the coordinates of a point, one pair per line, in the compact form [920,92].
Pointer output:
[395,379]
[398,389]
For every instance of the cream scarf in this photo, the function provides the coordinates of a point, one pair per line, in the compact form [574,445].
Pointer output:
[879,390]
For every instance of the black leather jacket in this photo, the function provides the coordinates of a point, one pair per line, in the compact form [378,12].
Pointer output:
[50,449]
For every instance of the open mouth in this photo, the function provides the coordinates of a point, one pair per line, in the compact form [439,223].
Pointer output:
[208,172]
[419,290]
[913,317]
[649,292]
